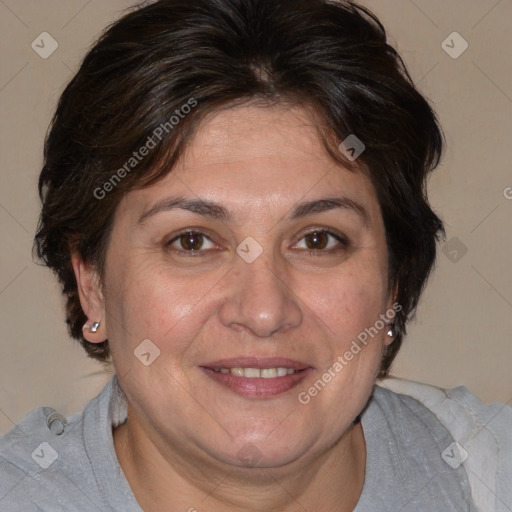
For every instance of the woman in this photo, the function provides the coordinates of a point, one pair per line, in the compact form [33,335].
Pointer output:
[234,203]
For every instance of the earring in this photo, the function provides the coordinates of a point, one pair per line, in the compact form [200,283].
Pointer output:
[93,327]
[391,333]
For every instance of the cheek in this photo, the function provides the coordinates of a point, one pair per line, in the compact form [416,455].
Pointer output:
[147,301]
[349,300]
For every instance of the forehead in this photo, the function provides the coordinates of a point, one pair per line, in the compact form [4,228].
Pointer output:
[258,156]
[253,131]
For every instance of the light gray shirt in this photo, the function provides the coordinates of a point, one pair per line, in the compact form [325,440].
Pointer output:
[74,467]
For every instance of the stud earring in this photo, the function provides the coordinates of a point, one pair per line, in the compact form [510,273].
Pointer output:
[391,332]
[93,327]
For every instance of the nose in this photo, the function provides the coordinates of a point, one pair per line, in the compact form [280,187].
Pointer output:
[260,299]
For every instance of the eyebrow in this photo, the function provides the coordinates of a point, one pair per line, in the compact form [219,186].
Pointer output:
[323,205]
[207,208]
[218,212]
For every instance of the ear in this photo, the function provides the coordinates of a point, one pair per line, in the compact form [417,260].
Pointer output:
[91,298]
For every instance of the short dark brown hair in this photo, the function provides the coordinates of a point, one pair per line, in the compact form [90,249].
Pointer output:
[329,56]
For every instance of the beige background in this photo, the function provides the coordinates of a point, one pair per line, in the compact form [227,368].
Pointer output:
[462,334]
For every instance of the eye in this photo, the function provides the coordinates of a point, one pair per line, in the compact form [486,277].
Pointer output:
[322,240]
[191,241]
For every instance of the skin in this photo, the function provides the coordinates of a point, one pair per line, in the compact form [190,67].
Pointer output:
[179,446]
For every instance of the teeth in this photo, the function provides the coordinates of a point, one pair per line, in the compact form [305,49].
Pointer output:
[268,373]
[251,373]
[256,373]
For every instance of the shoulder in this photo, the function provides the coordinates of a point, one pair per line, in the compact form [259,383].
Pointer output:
[29,455]
[44,464]
[482,437]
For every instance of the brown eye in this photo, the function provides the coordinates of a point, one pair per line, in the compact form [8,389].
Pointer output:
[322,241]
[317,240]
[191,241]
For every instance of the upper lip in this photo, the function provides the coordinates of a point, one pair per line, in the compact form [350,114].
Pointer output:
[257,362]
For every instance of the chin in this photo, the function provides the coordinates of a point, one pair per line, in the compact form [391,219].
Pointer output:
[252,452]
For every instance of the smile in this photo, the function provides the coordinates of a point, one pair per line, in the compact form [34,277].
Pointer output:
[257,377]
[257,373]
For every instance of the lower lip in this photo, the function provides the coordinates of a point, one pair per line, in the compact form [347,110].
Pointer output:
[257,387]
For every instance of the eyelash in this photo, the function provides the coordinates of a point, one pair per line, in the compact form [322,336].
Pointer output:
[340,238]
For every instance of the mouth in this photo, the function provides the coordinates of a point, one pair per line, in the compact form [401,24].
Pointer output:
[257,377]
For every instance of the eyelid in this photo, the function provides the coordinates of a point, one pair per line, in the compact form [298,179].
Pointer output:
[196,230]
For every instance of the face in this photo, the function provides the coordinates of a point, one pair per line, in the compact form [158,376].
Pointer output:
[251,268]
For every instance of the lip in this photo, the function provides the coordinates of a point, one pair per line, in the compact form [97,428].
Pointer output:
[257,362]
[257,387]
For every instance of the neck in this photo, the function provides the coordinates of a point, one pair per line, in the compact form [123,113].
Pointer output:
[164,478]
